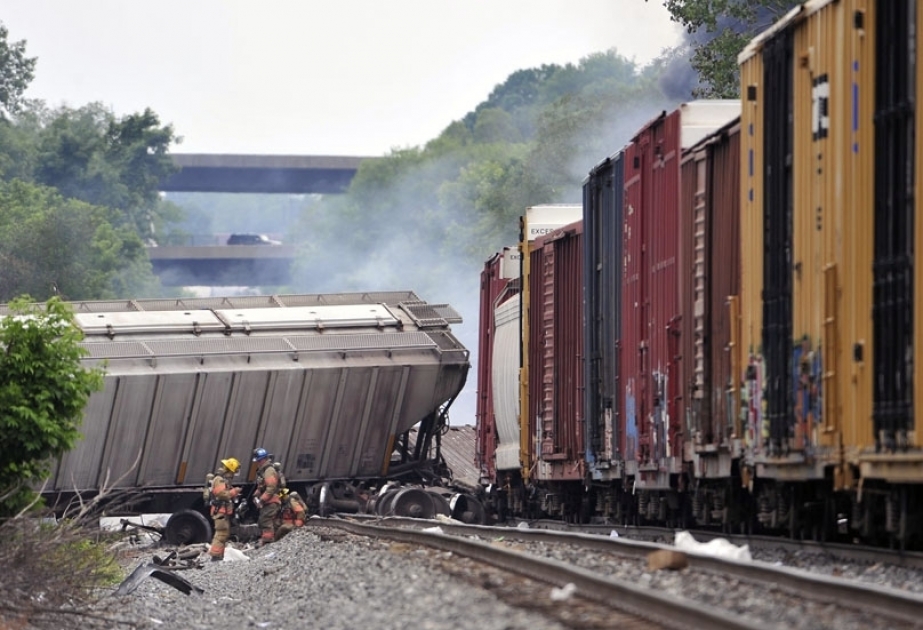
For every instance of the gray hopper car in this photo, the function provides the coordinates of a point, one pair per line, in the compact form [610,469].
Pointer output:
[330,384]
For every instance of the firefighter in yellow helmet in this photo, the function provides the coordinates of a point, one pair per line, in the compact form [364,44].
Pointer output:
[220,497]
[293,513]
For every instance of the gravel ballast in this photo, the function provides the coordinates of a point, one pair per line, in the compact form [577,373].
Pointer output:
[323,579]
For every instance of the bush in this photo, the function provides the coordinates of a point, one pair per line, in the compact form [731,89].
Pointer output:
[55,573]
[43,391]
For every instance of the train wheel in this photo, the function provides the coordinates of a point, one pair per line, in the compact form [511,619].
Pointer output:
[187,527]
[412,503]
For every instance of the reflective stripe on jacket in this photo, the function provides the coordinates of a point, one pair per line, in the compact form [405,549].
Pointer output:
[267,484]
[222,495]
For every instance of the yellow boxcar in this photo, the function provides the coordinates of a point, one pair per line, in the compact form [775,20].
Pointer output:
[828,308]
[891,462]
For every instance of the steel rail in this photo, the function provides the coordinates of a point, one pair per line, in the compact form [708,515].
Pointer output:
[888,602]
[844,551]
[651,605]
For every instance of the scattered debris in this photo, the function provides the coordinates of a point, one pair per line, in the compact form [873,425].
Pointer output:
[234,555]
[564,593]
[152,569]
[666,559]
[717,547]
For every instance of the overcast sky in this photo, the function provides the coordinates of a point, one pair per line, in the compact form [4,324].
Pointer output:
[307,77]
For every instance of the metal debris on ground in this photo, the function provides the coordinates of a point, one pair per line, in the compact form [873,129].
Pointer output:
[163,574]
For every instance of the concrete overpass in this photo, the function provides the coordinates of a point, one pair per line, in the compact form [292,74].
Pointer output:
[222,265]
[234,173]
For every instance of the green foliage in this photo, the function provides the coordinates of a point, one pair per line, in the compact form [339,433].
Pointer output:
[78,193]
[495,125]
[17,150]
[43,391]
[717,66]
[728,25]
[16,72]
[54,246]
[91,155]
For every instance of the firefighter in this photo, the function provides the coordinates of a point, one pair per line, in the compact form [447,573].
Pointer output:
[292,513]
[220,495]
[266,496]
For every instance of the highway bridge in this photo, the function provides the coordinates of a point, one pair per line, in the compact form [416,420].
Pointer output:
[234,173]
[223,265]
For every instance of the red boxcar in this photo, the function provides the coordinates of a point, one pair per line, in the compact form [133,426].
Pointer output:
[711,276]
[555,406]
[652,345]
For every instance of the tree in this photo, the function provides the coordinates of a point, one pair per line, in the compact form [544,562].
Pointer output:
[719,30]
[495,125]
[90,154]
[54,246]
[43,391]
[16,72]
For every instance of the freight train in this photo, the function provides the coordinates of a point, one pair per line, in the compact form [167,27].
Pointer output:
[348,391]
[725,336]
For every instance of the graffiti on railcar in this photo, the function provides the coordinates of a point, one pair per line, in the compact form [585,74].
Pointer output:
[807,381]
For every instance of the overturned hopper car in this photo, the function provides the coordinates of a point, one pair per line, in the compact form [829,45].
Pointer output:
[330,384]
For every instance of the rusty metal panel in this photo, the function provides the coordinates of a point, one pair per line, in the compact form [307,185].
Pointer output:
[538,221]
[660,436]
[711,264]
[603,202]
[723,263]
[556,353]
[694,277]
[654,375]
[632,367]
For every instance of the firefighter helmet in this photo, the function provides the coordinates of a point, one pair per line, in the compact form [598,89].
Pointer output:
[231,465]
[260,453]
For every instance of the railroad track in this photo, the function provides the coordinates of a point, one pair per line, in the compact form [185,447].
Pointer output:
[629,605]
[607,564]
[839,551]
